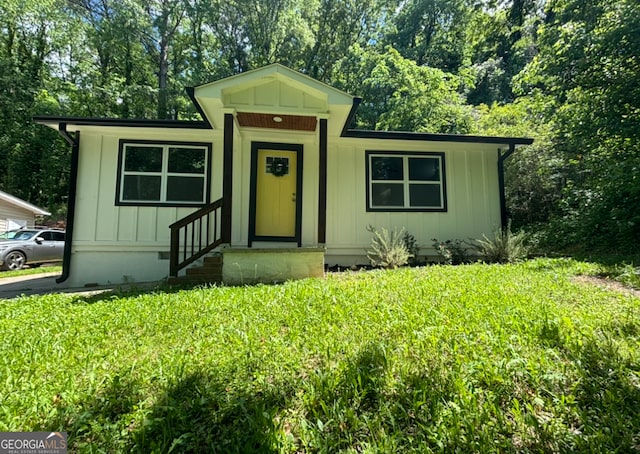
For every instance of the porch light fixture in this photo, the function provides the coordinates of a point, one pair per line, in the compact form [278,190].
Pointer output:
[277,119]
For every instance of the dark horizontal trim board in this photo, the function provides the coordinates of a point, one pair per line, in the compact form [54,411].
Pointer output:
[132,123]
[404,135]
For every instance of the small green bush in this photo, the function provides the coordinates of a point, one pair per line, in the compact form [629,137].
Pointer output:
[504,247]
[388,249]
[412,247]
[453,252]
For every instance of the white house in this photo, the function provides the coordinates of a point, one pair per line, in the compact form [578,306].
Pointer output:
[273,177]
[16,213]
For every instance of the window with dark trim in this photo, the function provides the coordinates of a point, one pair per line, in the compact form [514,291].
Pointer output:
[163,173]
[398,181]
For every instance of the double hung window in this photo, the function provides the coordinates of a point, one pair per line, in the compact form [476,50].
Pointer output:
[163,173]
[405,181]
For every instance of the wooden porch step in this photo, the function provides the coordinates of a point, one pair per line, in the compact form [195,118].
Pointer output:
[212,260]
[195,278]
[210,272]
[205,270]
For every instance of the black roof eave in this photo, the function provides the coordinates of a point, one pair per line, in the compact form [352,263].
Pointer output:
[423,136]
[348,133]
[115,122]
[429,137]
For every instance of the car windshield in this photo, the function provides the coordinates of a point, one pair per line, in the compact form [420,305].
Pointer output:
[24,235]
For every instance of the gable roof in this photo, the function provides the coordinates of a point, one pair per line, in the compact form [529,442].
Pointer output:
[271,91]
[15,201]
[267,74]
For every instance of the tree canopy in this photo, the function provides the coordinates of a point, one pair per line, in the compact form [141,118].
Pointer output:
[562,71]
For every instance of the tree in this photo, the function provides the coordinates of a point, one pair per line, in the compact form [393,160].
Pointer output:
[398,94]
[160,37]
[109,71]
[431,32]
[253,34]
[589,65]
[336,25]
[29,155]
[534,174]
[502,40]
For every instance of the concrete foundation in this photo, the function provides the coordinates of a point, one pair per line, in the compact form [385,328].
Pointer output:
[251,266]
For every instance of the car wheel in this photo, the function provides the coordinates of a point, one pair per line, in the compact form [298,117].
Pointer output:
[15,260]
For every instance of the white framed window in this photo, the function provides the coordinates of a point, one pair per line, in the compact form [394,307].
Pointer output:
[405,181]
[163,173]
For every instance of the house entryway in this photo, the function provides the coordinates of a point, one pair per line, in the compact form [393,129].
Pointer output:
[275,212]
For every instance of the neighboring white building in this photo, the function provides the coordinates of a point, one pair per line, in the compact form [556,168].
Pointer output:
[15,213]
[272,165]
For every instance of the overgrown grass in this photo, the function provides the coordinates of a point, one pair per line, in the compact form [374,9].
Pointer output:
[30,271]
[476,358]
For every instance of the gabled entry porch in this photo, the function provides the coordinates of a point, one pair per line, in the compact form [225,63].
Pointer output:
[274,176]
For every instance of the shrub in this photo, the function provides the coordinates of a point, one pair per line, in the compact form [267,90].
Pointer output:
[453,252]
[505,247]
[412,247]
[388,249]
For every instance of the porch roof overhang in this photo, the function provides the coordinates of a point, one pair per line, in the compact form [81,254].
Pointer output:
[272,91]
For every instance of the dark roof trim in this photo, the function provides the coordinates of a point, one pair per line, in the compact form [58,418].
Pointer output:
[350,117]
[114,122]
[191,91]
[403,135]
[428,137]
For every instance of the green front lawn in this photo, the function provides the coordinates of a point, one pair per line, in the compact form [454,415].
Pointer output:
[476,358]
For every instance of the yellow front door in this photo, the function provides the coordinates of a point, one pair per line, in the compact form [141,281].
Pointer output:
[276,182]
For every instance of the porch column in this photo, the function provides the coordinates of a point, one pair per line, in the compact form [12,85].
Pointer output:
[227,179]
[322,184]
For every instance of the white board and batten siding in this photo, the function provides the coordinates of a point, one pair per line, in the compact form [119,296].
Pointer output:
[112,243]
[472,193]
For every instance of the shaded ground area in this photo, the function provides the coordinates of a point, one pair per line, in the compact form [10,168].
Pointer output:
[44,283]
[608,284]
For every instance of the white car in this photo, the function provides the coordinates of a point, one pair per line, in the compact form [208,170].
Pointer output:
[30,247]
